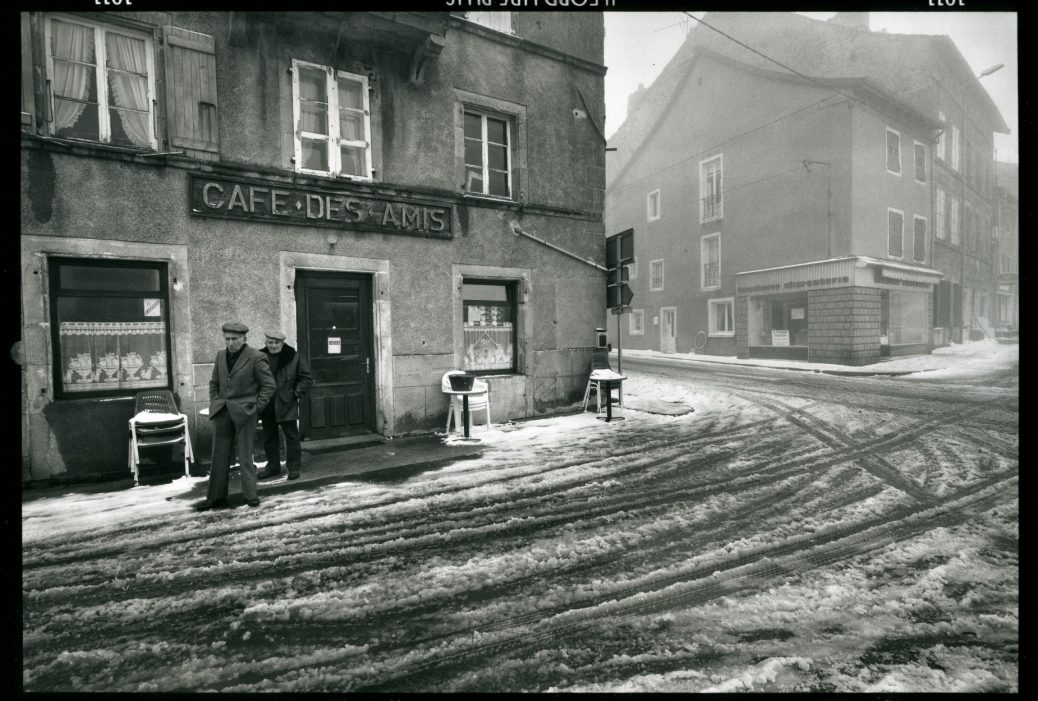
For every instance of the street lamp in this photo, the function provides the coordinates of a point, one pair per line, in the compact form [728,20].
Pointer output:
[828,200]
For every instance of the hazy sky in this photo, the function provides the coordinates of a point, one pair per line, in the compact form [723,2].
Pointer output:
[639,44]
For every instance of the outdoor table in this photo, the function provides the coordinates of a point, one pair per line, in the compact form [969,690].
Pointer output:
[607,381]
[465,403]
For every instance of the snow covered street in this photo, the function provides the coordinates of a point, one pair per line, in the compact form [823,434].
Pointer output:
[840,537]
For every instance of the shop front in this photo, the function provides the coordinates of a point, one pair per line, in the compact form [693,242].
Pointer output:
[848,311]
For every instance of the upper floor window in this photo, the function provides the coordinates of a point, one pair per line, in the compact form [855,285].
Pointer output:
[711,201]
[501,21]
[636,324]
[893,152]
[920,162]
[895,233]
[102,83]
[940,214]
[109,325]
[652,206]
[333,121]
[656,275]
[919,241]
[710,255]
[953,220]
[721,317]
[942,139]
[956,148]
[488,154]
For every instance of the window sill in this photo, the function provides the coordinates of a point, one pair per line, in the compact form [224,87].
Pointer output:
[721,334]
[488,198]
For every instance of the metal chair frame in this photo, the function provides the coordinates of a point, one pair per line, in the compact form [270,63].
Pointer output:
[146,433]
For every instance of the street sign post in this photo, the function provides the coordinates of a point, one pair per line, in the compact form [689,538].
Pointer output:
[619,255]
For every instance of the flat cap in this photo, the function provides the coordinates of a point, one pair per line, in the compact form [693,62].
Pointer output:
[276,335]
[235,327]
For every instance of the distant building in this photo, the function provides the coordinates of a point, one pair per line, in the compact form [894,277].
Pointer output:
[790,213]
[1007,207]
[351,178]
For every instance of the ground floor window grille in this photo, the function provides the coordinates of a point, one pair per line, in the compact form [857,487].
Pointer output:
[110,326]
[489,325]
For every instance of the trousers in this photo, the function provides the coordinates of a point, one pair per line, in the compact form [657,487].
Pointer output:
[272,443]
[225,435]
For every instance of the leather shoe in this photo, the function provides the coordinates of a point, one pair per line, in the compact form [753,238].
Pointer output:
[294,477]
[267,474]
[207,505]
[254,502]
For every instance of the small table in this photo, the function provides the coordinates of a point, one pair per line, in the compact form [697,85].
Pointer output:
[465,394]
[606,382]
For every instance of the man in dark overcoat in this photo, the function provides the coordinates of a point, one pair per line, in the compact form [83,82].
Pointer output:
[293,380]
[240,388]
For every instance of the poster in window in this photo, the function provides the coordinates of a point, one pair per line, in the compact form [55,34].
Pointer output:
[152,307]
[796,313]
[334,345]
[780,337]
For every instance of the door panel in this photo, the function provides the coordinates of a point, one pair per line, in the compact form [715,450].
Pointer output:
[335,336]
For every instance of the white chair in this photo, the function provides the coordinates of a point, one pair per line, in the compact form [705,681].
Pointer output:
[600,372]
[157,421]
[477,402]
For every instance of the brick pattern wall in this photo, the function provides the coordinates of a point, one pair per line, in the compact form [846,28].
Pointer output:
[844,325]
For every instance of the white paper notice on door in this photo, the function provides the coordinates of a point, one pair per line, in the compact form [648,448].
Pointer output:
[334,345]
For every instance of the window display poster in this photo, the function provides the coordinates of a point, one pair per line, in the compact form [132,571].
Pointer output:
[334,345]
[152,307]
[796,313]
[780,337]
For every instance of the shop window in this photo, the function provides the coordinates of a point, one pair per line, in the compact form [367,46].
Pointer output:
[902,317]
[711,198]
[940,214]
[710,255]
[652,205]
[920,162]
[893,152]
[488,154]
[499,21]
[656,275]
[721,314]
[919,241]
[895,233]
[101,82]
[636,322]
[110,326]
[331,112]
[489,325]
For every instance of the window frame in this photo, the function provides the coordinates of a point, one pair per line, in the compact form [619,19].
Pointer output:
[918,236]
[887,154]
[711,308]
[468,16]
[640,330]
[483,113]
[653,205]
[954,222]
[940,214]
[632,269]
[104,119]
[942,140]
[704,179]
[513,289]
[334,136]
[956,149]
[703,261]
[901,214]
[56,292]
[916,146]
[652,275]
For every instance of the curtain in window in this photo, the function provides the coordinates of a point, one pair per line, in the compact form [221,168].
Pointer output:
[101,355]
[488,339]
[128,78]
[73,46]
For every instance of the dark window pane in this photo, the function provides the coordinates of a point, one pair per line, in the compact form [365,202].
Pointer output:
[82,122]
[108,278]
[473,153]
[482,292]
[496,132]
[315,154]
[498,183]
[473,126]
[497,157]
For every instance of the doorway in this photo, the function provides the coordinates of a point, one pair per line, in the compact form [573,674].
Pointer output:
[668,329]
[335,329]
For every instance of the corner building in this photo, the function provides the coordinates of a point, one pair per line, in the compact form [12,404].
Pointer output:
[353,179]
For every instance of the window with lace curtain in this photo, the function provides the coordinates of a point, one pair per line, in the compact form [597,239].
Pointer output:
[101,83]
[489,325]
[110,326]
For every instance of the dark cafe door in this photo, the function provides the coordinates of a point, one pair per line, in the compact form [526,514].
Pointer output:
[334,314]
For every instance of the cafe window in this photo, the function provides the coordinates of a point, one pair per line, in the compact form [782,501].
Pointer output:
[109,325]
[333,121]
[102,83]
[489,325]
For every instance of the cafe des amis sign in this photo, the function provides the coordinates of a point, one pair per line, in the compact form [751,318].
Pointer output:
[228,198]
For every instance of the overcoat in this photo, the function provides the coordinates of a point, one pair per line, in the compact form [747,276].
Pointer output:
[293,380]
[245,390]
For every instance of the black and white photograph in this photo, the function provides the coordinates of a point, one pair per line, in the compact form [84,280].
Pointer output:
[531,346]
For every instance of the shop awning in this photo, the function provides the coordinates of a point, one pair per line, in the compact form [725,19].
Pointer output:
[911,274]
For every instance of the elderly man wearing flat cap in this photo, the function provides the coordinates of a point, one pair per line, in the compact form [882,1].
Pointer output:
[241,387]
[293,380]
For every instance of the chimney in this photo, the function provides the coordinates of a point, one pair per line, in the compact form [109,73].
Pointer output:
[634,99]
[855,20]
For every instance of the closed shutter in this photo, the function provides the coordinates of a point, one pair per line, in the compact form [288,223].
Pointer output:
[28,94]
[192,116]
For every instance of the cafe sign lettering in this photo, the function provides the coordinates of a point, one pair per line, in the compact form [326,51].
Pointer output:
[278,203]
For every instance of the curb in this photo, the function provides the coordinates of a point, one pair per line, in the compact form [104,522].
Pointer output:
[852,373]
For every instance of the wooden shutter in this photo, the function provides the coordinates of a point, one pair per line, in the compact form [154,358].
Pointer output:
[192,116]
[28,86]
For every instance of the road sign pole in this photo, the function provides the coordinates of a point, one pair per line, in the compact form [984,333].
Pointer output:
[619,346]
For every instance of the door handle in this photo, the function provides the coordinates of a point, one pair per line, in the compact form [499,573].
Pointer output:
[367,366]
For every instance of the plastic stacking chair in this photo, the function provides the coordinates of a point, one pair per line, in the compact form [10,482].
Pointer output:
[601,371]
[157,421]
[477,402]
